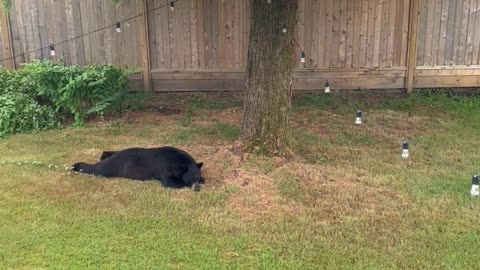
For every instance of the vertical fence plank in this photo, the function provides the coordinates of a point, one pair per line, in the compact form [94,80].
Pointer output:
[85,28]
[321,22]
[436,32]
[476,43]
[452,5]
[328,37]
[227,27]
[429,33]
[384,32]
[392,13]
[194,33]
[187,36]
[300,31]
[307,43]
[314,28]
[164,47]
[7,43]
[236,41]
[463,33]
[200,34]
[349,39]
[412,44]
[77,28]
[378,28]
[443,33]
[207,33]
[336,33]
[422,32]
[357,30]
[405,31]
[398,33]
[62,29]
[215,34]
[100,35]
[470,32]
[342,34]
[371,31]
[70,33]
[144,43]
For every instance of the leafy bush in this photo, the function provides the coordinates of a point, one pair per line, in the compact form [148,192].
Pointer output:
[51,92]
[21,113]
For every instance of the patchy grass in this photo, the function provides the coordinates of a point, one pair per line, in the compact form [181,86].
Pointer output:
[347,200]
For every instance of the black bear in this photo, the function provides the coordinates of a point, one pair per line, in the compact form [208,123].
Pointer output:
[173,167]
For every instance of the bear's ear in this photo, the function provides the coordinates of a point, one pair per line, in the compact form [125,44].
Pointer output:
[199,165]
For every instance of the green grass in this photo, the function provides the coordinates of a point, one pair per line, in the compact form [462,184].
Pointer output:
[347,200]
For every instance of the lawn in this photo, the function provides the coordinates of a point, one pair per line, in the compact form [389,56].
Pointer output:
[346,200]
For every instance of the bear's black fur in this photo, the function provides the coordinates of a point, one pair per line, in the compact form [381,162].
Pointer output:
[173,167]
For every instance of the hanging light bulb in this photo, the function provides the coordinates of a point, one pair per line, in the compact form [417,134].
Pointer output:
[172,5]
[52,50]
[119,28]
[327,87]
[358,120]
[302,57]
[405,153]
[475,192]
[284,29]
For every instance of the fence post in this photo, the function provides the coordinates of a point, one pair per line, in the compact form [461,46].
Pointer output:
[412,45]
[7,40]
[145,44]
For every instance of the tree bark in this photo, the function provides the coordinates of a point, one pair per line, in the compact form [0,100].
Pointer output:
[268,87]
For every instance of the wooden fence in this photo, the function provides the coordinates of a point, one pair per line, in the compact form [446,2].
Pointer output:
[201,45]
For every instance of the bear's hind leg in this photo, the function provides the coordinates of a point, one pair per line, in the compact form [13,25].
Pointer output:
[107,154]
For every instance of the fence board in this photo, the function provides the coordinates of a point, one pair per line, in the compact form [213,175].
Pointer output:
[470,32]
[357,21]
[3,29]
[436,31]
[371,30]
[476,43]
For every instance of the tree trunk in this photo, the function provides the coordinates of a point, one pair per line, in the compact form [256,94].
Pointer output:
[268,87]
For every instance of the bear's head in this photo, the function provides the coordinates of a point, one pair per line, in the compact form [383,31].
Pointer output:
[193,177]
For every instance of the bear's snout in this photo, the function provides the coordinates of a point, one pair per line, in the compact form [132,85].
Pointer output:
[196,186]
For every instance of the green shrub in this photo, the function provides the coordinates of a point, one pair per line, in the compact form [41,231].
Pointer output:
[20,113]
[51,91]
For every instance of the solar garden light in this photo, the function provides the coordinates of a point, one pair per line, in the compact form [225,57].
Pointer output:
[119,28]
[474,191]
[405,153]
[52,50]
[358,120]
[327,87]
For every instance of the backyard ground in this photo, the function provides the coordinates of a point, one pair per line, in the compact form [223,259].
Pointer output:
[346,200]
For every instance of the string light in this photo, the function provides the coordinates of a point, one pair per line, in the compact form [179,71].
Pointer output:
[405,147]
[284,29]
[119,29]
[327,87]
[172,6]
[269,1]
[302,57]
[474,191]
[358,120]
[52,50]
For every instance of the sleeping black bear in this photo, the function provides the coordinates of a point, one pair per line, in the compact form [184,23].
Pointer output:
[173,167]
